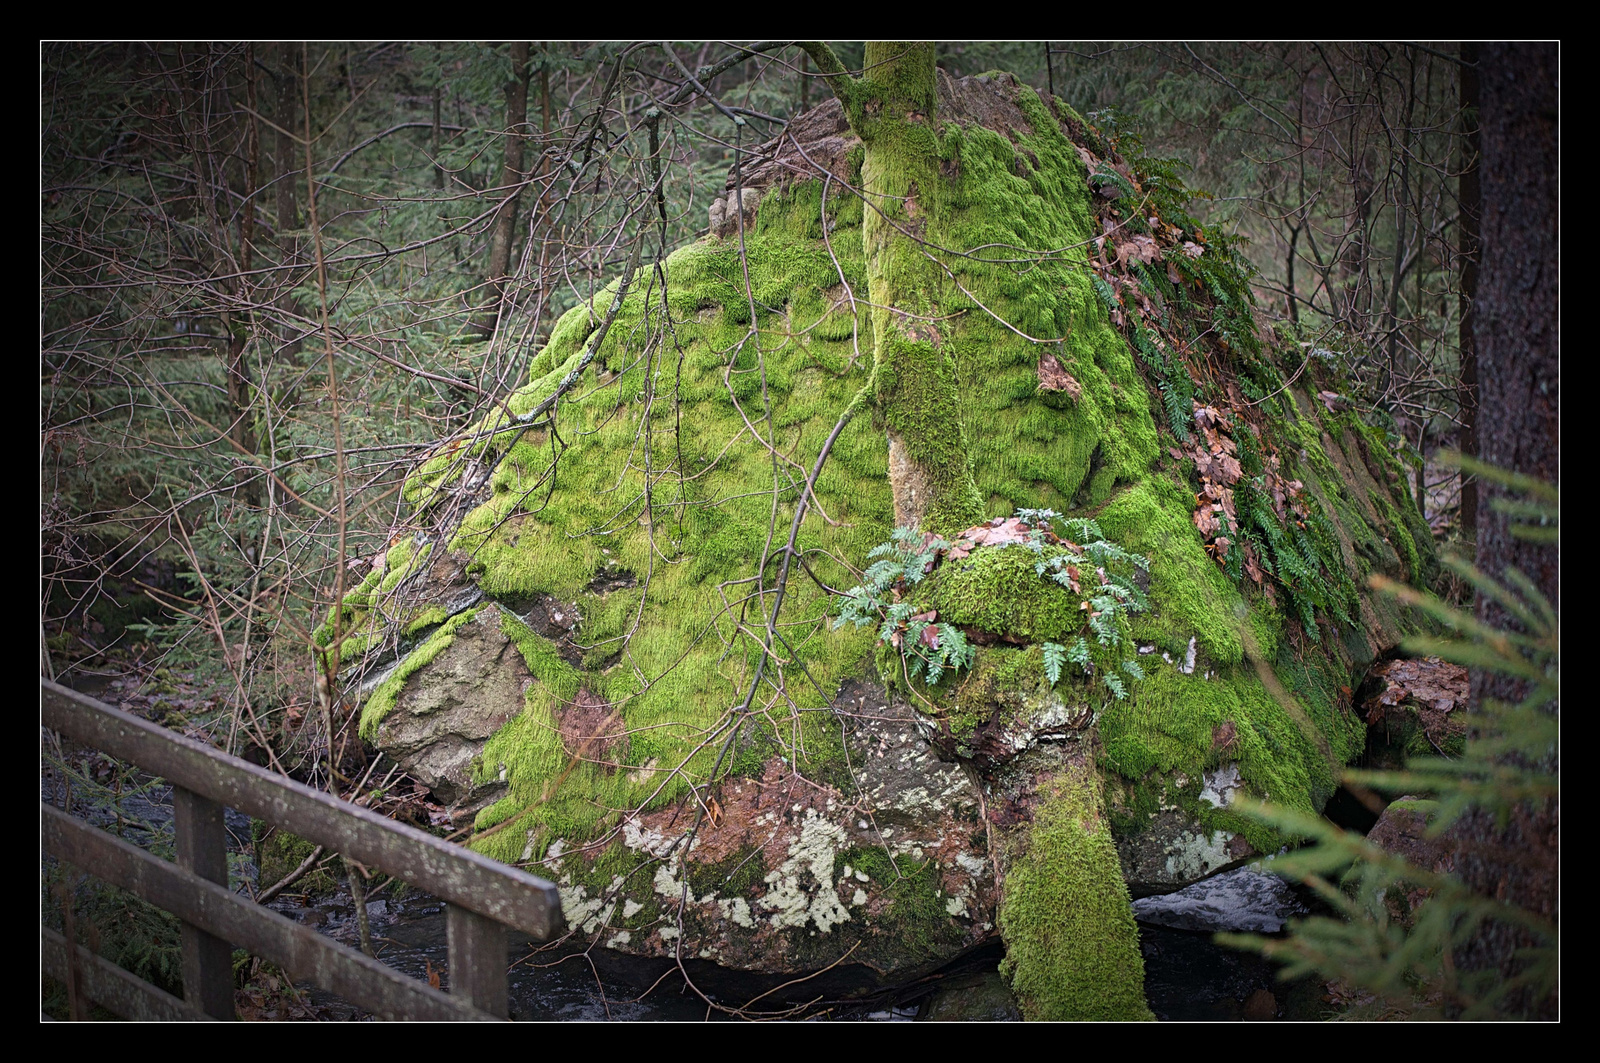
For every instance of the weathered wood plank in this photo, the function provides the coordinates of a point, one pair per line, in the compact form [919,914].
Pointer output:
[454,874]
[201,840]
[478,961]
[260,931]
[113,988]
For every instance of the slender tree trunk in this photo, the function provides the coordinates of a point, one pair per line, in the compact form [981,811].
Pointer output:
[438,170]
[918,402]
[891,107]
[289,165]
[239,384]
[1518,349]
[512,174]
[1402,215]
[287,158]
[1471,211]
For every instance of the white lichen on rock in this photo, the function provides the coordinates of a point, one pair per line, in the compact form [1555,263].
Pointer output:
[1193,855]
[1220,785]
[801,889]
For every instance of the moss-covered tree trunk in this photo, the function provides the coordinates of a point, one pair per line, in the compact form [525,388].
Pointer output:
[891,107]
[1072,945]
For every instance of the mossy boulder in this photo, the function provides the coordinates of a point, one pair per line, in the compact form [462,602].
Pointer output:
[710,777]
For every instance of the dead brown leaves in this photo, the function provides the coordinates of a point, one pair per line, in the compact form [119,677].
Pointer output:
[1003,531]
[1215,455]
[1429,683]
[1053,376]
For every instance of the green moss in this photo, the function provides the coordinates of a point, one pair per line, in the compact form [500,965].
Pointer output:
[998,589]
[1177,724]
[279,853]
[741,874]
[1422,806]
[1072,947]
[363,615]
[915,921]
[430,615]
[680,464]
[1190,594]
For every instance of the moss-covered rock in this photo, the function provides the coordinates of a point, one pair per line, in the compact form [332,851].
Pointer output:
[705,776]
[280,853]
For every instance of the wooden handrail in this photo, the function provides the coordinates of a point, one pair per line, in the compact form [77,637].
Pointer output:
[452,873]
[484,896]
[220,912]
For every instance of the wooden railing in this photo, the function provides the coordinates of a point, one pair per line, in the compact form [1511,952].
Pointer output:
[484,897]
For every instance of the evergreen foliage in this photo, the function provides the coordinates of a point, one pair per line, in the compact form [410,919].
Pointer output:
[1397,924]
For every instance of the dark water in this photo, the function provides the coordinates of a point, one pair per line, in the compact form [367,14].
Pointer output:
[1190,978]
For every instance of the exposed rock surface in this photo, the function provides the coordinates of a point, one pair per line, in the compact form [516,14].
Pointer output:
[1251,899]
[982,997]
[786,870]
[1402,829]
[447,712]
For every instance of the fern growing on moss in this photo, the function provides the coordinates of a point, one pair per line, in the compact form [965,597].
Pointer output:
[1071,552]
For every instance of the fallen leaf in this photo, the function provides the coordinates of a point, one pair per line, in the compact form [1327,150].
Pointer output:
[1145,249]
[1054,377]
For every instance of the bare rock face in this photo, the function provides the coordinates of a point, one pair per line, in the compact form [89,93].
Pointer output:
[724,213]
[446,711]
[1173,849]
[784,870]
[1403,830]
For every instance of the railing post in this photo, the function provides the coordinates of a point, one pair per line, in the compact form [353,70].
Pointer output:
[202,844]
[478,954]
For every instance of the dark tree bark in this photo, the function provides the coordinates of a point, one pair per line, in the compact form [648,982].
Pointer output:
[512,173]
[1471,211]
[1519,428]
[289,163]
[287,157]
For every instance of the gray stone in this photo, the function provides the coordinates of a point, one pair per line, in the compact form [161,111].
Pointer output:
[447,710]
[982,997]
[724,214]
[1251,899]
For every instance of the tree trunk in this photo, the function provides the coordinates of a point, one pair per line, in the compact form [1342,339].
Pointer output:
[512,174]
[289,163]
[288,159]
[1062,861]
[1518,352]
[892,108]
[1471,212]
